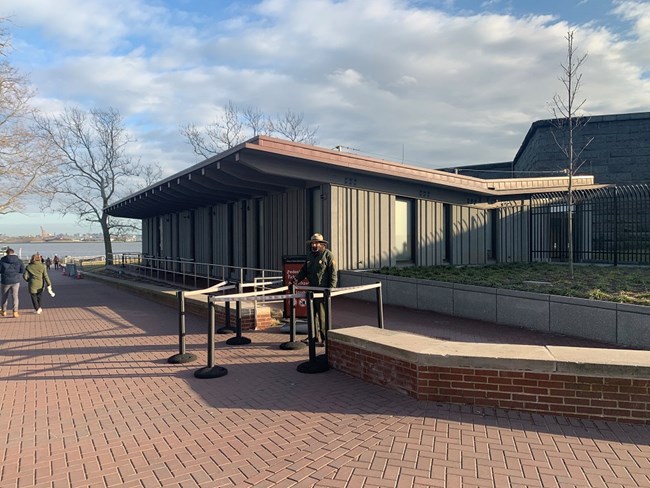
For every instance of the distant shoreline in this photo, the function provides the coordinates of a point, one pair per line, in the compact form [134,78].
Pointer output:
[61,241]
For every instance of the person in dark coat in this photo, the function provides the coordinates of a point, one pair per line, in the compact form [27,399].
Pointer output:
[321,270]
[36,275]
[11,269]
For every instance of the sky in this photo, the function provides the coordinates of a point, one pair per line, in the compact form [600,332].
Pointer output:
[430,83]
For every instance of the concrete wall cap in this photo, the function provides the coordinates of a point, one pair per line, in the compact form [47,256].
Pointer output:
[427,351]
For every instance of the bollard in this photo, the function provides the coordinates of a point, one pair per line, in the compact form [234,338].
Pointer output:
[211,371]
[182,356]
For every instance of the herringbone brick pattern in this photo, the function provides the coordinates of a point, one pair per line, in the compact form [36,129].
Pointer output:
[87,399]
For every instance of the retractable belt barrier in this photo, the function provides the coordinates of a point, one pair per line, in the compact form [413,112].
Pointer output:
[316,364]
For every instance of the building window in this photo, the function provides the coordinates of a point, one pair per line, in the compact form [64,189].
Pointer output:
[404,219]
[446,232]
[491,235]
[316,210]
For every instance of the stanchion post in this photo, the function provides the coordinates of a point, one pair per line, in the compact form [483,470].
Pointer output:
[293,343]
[315,364]
[227,328]
[182,356]
[292,314]
[327,296]
[311,336]
[211,322]
[211,371]
[181,321]
[380,308]
[238,340]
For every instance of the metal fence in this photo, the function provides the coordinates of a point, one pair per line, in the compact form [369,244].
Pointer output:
[611,226]
[188,273]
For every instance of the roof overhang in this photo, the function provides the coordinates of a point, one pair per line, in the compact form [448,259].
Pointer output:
[266,165]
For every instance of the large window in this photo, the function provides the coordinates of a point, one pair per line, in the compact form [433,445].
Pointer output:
[316,210]
[491,235]
[446,232]
[404,219]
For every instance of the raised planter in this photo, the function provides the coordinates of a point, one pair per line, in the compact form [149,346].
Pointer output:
[599,384]
[615,323]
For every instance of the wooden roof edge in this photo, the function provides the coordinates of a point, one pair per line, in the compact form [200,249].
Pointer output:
[398,170]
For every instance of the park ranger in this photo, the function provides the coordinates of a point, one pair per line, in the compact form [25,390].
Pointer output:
[320,269]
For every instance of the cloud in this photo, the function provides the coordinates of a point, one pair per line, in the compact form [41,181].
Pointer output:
[385,76]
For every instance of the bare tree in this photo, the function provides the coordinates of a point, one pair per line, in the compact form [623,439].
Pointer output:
[291,125]
[22,158]
[567,120]
[94,169]
[257,121]
[224,133]
[235,125]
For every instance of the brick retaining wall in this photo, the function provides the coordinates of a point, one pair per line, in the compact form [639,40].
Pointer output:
[540,389]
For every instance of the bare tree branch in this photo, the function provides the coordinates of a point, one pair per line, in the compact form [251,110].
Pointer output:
[235,125]
[291,125]
[23,159]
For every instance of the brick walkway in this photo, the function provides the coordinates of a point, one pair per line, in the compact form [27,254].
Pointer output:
[88,399]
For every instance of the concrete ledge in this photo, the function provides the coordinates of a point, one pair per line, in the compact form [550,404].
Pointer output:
[517,307]
[475,302]
[581,382]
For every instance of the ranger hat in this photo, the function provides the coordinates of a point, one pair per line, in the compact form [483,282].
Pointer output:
[317,238]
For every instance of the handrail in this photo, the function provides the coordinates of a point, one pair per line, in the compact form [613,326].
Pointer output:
[189,272]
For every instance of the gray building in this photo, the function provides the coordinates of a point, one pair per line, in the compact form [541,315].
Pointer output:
[619,151]
[258,202]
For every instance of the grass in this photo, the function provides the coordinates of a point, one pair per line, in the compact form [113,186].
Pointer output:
[607,283]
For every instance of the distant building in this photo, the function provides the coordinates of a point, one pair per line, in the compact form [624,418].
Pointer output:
[619,151]
[613,222]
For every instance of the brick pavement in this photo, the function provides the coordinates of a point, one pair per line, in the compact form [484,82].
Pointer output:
[88,399]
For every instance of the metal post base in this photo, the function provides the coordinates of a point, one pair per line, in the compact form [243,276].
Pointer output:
[182,358]
[226,330]
[238,341]
[210,372]
[292,345]
[318,365]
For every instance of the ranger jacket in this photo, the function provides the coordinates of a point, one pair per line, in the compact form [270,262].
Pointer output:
[320,269]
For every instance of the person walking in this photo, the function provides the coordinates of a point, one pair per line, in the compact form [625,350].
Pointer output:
[36,275]
[321,271]
[11,269]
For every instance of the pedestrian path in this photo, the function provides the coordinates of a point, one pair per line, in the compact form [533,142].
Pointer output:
[87,399]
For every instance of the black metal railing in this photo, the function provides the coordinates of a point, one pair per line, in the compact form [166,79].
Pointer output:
[611,225]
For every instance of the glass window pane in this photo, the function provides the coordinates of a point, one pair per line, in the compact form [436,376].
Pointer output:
[404,230]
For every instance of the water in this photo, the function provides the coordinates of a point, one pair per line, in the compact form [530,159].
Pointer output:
[72,249]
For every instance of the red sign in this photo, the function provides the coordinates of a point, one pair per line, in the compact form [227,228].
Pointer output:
[291,267]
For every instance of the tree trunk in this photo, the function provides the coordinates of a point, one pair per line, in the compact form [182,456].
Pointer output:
[108,245]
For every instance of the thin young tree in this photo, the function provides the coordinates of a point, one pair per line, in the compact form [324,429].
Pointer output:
[566,110]
[94,168]
[23,159]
